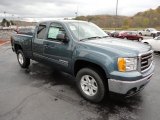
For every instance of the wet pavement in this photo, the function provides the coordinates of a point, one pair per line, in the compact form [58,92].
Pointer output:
[42,93]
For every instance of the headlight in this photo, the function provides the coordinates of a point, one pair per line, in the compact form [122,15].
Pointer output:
[127,64]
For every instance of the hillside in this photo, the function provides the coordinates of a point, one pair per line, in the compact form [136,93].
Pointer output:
[24,23]
[6,23]
[149,18]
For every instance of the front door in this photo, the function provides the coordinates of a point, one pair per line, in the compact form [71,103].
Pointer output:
[57,52]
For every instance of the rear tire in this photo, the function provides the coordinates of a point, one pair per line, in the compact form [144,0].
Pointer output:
[22,60]
[90,84]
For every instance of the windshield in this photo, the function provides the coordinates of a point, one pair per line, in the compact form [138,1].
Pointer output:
[84,30]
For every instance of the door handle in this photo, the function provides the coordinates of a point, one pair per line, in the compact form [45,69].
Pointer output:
[49,46]
[46,45]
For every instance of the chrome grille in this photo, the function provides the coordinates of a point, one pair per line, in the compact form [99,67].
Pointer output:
[146,60]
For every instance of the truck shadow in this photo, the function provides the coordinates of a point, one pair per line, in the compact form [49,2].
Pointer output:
[110,106]
[41,72]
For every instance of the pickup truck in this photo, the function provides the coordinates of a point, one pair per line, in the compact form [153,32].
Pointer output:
[155,43]
[100,64]
[149,32]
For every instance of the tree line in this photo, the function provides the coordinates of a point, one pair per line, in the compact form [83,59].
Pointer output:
[149,18]
[7,23]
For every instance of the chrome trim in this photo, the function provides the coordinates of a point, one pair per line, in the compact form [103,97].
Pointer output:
[25,35]
[122,87]
[140,59]
[144,62]
[147,57]
[147,68]
[151,51]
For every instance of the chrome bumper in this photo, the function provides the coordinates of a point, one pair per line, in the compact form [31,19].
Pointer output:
[128,87]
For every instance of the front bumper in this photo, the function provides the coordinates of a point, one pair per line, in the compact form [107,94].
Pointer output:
[128,88]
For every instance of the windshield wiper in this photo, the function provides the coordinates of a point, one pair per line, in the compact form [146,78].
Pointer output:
[89,38]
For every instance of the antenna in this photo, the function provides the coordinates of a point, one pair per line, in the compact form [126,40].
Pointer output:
[76,13]
[5,14]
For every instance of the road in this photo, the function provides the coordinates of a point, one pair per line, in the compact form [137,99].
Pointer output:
[42,93]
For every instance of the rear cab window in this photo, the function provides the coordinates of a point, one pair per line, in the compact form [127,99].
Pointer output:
[41,32]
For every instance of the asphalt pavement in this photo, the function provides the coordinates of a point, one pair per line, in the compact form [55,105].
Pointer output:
[42,93]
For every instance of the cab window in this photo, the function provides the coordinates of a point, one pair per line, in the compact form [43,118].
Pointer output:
[54,30]
[41,32]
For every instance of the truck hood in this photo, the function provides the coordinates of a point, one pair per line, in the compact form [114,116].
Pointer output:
[155,31]
[119,46]
[147,40]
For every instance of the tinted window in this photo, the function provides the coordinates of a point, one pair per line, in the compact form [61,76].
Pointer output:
[41,32]
[134,34]
[54,30]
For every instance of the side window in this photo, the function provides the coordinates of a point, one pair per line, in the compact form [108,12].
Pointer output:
[134,33]
[54,30]
[41,32]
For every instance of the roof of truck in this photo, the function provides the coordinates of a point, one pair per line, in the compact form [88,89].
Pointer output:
[61,21]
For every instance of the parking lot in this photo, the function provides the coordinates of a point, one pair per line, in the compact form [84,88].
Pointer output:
[41,93]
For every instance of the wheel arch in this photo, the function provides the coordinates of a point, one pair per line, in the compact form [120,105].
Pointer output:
[18,47]
[146,43]
[79,64]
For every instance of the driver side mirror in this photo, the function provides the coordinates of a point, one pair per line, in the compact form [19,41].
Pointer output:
[62,37]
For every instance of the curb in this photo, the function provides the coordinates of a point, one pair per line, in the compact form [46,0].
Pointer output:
[4,43]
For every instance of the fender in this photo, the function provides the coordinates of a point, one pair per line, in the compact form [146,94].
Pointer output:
[103,60]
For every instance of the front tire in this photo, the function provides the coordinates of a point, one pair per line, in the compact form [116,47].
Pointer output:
[22,60]
[140,39]
[90,85]
[125,38]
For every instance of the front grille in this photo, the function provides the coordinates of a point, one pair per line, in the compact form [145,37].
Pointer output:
[146,61]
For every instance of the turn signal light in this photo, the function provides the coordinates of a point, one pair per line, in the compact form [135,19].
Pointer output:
[121,64]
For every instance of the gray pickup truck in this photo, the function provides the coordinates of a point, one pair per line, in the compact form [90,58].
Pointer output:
[99,63]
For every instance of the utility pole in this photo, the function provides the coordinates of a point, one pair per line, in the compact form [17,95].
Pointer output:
[5,14]
[76,13]
[13,17]
[116,20]
[5,24]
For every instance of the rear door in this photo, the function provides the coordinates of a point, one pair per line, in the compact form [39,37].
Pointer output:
[129,35]
[134,36]
[38,40]
[148,32]
[57,52]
